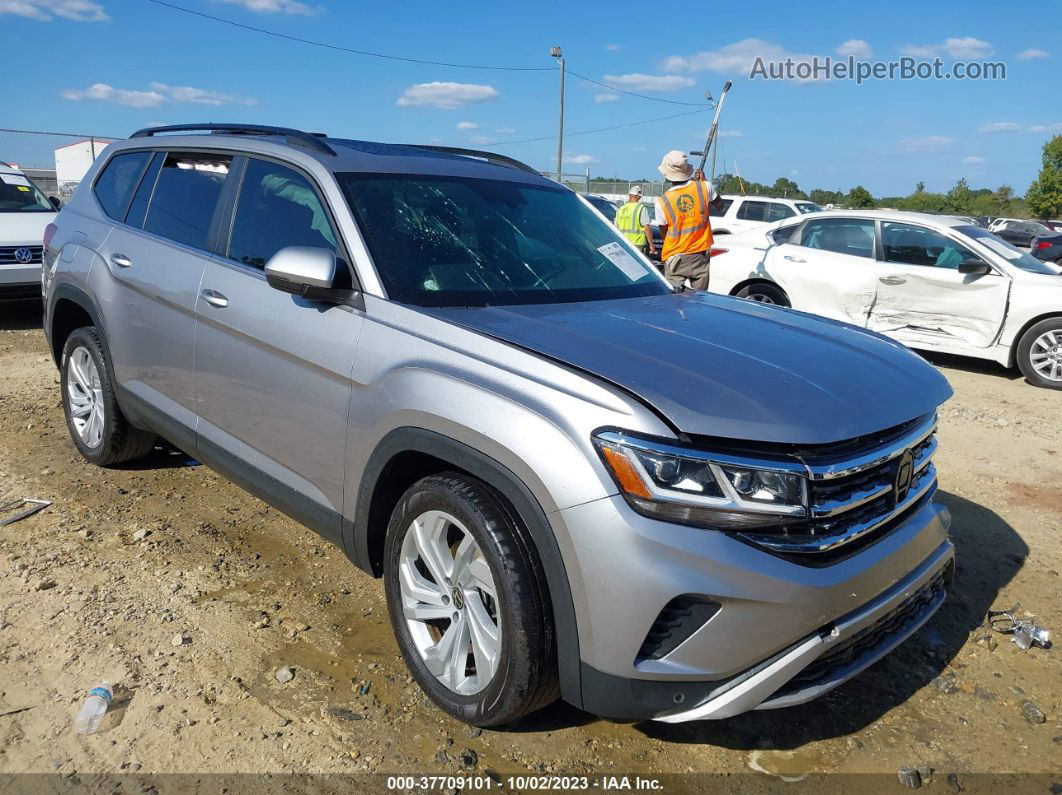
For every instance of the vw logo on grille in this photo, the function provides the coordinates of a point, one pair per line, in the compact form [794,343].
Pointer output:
[23,255]
[904,473]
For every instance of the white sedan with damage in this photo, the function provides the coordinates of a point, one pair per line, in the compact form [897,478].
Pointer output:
[932,282]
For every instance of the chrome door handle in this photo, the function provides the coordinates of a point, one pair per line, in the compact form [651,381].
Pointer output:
[892,280]
[121,260]
[789,258]
[214,298]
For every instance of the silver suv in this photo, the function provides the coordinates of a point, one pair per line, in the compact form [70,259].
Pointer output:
[574,481]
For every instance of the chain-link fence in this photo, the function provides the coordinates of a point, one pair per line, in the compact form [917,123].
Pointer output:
[55,161]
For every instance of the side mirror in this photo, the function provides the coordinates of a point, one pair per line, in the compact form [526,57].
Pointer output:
[56,202]
[974,267]
[302,270]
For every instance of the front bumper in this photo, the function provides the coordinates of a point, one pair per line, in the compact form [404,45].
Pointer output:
[17,276]
[780,621]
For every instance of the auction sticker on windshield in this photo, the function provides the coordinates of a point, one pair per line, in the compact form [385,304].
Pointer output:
[621,258]
[14,179]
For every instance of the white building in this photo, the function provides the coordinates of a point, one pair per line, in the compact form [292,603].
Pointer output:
[73,160]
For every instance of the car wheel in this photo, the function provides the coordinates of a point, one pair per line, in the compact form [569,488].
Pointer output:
[100,431]
[1039,354]
[764,293]
[468,601]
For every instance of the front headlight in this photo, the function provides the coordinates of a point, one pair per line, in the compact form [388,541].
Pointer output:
[697,487]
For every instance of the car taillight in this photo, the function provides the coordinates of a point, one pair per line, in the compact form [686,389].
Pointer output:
[1043,244]
[715,252]
[49,233]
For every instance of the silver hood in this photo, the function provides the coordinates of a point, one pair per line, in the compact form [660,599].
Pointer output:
[723,367]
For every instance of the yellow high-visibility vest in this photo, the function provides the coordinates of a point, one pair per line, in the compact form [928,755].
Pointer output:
[627,218]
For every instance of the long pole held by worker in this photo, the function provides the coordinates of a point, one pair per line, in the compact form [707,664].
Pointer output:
[715,126]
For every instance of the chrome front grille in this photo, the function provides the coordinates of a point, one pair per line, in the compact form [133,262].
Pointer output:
[7,255]
[853,497]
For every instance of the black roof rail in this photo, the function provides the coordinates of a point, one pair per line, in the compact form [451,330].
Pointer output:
[490,157]
[309,140]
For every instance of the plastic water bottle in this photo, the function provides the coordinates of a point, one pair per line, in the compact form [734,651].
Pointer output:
[91,715]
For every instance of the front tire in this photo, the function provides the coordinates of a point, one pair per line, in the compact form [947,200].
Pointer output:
[1039,354]
[468,601]
[97,426]
[764,293]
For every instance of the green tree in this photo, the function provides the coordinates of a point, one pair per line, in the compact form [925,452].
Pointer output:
[859,198]
[823,197]
[960,198]
[785,187]
[920,187]
[1044,196]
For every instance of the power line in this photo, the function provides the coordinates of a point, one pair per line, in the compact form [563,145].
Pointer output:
[602,129]
[351,50]
[631,93]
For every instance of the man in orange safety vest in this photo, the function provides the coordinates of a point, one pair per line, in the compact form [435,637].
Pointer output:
[682,214]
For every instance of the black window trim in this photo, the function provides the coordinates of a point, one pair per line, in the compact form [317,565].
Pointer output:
[229,203]
[140,177]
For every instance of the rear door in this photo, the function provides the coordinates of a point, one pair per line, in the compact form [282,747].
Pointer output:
[156,256]
[828,268]
[273,369]
[749,215]
[924,300]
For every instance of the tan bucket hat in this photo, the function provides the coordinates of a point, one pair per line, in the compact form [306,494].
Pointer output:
[675,166]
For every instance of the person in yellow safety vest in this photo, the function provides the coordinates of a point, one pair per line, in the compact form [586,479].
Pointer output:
[682,214]
[632,219]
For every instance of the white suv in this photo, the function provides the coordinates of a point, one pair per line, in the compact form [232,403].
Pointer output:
[742,213]
[24,213]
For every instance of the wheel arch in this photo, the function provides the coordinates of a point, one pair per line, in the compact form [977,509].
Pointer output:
[1016,339]
[404,456]
[756,280]
[69,308]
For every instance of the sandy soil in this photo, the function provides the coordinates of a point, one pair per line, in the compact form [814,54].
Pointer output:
[191,621]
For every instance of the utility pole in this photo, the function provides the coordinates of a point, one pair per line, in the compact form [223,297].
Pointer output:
[557,53]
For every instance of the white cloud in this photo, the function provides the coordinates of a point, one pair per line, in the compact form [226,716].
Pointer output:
[999,126]
[200,96]
[505,130]
[483,140]
[926,143]
[1028,55]
[735,58]
[857,48]
[47,10]
[273,6]
[972,160]
[467,125]
[610,97]
[580,160]
[640,82]
[445,95]
[121,96]
[730,133]
[967,47]
[1039,128]
[159,94]
[613,47]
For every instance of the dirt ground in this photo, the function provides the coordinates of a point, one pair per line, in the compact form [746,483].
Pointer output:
[188,594]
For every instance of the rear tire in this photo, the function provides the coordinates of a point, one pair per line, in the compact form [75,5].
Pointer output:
[97,426]
[1039,354]
[468,601]
[764,293]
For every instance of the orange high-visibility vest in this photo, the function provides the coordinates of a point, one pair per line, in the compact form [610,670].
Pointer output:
[688,227]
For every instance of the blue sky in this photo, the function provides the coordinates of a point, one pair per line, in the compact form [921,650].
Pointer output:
[112,66]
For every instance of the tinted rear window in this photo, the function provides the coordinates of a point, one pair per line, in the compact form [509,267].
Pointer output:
[118,180]
[185,196]
[722,211]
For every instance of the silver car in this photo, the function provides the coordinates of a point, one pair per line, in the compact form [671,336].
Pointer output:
[574,480]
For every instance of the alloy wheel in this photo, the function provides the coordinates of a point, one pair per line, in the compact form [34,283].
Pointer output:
[1045,355]
[85,394]
[450,602]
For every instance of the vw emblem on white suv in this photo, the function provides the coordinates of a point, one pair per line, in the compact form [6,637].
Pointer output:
[23,255]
